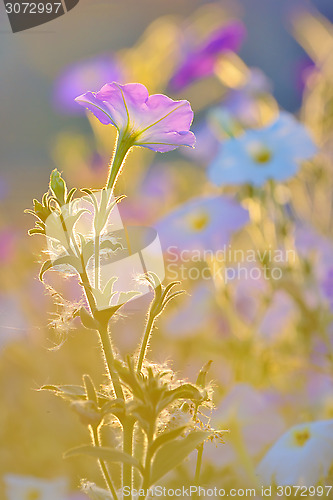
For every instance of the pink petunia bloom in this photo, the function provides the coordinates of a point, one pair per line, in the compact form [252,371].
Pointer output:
[155,122]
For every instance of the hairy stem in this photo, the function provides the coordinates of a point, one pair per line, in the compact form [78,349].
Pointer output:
[147,470]
[122,148]
[109,359]
[145,341]
[198,465]
[104,469]
[128,428]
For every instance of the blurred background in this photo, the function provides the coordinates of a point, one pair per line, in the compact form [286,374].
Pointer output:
[37,135]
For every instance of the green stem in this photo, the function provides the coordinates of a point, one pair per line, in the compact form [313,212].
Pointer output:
[147,470]
[104,469]
[199,464]
[97,263]
[128,428]
[145,341]
[122,148]
[109,358]
[198,468]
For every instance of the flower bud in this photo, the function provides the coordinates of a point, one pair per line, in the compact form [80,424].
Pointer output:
[58,187]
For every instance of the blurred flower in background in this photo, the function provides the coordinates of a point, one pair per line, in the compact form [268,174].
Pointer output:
[273,152]
[200,62]
[302,456]
[202,224]
[89,74]
[31,488]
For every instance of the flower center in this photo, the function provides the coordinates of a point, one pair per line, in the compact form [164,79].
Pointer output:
[260,153]
[199,221]
[33,494]
[301,437]
[263,156]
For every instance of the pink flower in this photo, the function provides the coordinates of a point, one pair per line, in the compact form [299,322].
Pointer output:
[155,122]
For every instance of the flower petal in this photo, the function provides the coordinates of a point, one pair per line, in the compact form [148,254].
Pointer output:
[156,122]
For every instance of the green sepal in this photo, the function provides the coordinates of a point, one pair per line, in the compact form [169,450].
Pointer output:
[87,320]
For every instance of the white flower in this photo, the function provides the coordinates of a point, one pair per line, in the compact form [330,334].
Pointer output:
[32,488]
[302,456]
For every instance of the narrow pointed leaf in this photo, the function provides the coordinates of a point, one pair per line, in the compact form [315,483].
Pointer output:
[48,264]
[171,454]
[104,453]
[165,437]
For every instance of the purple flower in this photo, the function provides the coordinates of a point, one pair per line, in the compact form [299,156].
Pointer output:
[327,287]
[76,78]
[201,61]
[202,224]
[272,152]
[155,122]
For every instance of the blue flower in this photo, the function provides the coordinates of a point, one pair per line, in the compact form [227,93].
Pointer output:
[272,152]
[204,223]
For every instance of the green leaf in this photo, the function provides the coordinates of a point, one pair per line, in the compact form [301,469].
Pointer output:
[36,231]
[90,388]
[71,220]
[201,380]
[185,391]
[105,453]
[171,454]
[74,393]
[70,195]
[48,264]
[88,321]
[77,391]
[166,437]
[60,261]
